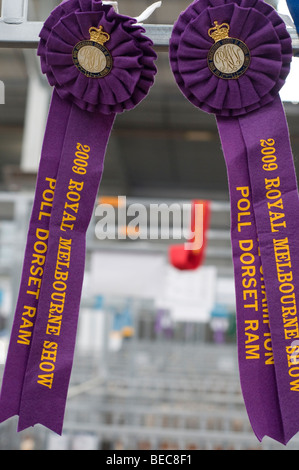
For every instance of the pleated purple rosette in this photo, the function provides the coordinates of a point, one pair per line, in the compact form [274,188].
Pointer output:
[81,117]
[133,69]
[259,27]
[263,192]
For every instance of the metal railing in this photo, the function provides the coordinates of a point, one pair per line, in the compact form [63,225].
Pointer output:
[17,31]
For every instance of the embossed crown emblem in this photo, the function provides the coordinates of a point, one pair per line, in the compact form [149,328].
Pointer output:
[219,31]
[98,35]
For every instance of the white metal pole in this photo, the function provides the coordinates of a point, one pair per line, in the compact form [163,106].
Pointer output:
[14,12]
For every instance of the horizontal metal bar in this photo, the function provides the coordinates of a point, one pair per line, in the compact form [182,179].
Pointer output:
[26,35]
[160,34]
[23,36]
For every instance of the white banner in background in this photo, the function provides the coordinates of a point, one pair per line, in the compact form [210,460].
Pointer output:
[189,295]
[127,274]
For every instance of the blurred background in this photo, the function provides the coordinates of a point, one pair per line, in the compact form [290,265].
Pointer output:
[156,358]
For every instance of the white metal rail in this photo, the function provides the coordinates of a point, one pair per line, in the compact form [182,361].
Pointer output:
[16,31]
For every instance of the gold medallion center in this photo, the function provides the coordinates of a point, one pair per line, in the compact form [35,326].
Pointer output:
[91,57]
[228,58]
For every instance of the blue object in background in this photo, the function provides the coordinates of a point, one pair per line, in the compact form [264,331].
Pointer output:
[293,6]
[117,321]
[128,326]
[99,302]
[219,322]
[123,321]
[219,311]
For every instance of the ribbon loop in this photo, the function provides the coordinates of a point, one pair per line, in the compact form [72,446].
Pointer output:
[148,12]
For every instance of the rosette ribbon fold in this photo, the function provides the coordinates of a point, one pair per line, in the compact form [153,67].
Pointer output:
[100,63]
[231,58]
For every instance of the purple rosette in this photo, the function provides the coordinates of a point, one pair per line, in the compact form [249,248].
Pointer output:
[259,27]
[133,69]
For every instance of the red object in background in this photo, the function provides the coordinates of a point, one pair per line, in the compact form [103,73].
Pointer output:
[182,258]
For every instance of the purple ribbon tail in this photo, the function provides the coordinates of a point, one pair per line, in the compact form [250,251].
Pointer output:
[51,355]
[255,355]
[276,208]
[34,261]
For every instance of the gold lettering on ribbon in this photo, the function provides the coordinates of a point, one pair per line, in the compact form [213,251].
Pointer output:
[47,364]
[38,258]
[283,259]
